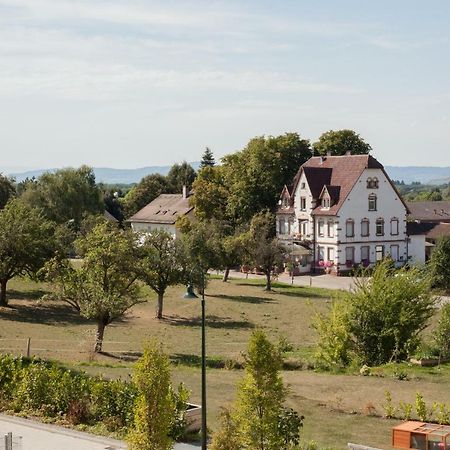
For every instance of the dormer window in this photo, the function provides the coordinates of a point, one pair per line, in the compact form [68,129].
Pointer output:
[372,183]
[285,202]
[326,202]
[302,185]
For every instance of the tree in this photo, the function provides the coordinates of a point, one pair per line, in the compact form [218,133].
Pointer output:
[144,192]
[340,142]
[180,175]
[155,406]
[207,159]
[7,190]
[262,247]
[26,243]
[440,264]
[259,413]
[227,436]
[256,175]
[66,195]
[380,321]
[104,287]
[160,264]
[442,332]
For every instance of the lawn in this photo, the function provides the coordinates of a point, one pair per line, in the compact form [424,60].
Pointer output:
[335,406]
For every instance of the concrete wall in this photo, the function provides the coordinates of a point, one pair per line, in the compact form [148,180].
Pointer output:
[416,248]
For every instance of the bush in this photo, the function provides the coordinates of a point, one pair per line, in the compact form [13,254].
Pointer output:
[380,321]
[440,264]
[442,332]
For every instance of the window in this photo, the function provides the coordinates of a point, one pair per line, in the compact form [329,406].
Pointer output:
[320,226]
[349,255]
[380,227]
[320,253]
[379,252]
[372,183]
[330,227]
[302,204]
[365,227]
[365,255]
[282,226]
[394,226]
[394,252]
[369,183]
[285,202]
[350,228]
[325,202]
[330,254]
[372,202]
[304,227]
[302,186]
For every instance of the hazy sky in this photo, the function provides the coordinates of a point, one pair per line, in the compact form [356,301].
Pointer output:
[130,83]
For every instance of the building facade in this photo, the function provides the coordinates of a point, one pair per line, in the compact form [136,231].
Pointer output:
[346,210]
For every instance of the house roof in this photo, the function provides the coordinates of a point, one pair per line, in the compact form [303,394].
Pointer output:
[164,209]
[431,230]
[339,174]
[430,211]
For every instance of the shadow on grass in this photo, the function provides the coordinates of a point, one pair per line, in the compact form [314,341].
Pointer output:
[211,322]
[123,356]
[244,298]
[34,294]
[304,294]
[49,314]
[211,362]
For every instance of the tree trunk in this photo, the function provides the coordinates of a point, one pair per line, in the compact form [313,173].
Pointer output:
[268,281]
[226,274]
[99,336]
[3,301]
[159,310]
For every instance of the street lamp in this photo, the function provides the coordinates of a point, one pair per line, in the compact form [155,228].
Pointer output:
[191,295]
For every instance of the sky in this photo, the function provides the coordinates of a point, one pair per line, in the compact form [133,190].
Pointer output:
[133,83]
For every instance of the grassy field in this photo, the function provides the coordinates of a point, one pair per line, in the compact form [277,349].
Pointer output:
[336,406]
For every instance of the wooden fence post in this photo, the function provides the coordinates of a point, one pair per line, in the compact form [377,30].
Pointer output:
[28,347]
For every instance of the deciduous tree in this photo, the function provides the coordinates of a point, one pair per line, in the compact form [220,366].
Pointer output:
[160,264]
[7,190]
[65,195]
[26,243]
[104,287]
[440,264]
[180,175]
[340,142]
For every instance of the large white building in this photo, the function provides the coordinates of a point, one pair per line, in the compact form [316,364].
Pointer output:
[346,210]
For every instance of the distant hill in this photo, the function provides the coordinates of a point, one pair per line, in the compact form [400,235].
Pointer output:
[425,175]
[107,175]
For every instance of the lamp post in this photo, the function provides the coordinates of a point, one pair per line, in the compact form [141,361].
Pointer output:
[191,295]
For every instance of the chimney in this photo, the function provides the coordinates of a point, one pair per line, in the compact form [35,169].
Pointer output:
[322,159]
[184,191]
[348,152]
[328,152]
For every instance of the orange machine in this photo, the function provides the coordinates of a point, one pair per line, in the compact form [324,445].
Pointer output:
[421,436]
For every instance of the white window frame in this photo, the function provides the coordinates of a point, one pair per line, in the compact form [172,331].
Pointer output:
[350,232]
[394,226]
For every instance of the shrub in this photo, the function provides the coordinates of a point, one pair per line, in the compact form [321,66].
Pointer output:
[421,408]
[440,264]
[380,321]
[388,406]
[442,332]
[406,409]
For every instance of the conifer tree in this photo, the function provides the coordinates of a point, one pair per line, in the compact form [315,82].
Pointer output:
[207,159]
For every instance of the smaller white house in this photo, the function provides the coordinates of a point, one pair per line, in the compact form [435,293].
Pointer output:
[162,213]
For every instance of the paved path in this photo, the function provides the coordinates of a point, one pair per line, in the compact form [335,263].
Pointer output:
[39,436]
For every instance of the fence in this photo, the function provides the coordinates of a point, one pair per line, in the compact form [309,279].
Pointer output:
[45,347]
[10,442]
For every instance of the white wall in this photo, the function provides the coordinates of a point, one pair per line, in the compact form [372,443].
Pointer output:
[149,227]
[416,248]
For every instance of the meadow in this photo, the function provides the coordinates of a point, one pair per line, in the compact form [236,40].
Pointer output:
[338,407]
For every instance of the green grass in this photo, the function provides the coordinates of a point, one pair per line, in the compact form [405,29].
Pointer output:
[333,404]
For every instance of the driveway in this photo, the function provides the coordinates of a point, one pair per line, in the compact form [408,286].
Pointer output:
[39,436]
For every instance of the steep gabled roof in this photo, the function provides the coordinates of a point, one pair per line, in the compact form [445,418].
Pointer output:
[339,174]
[164,209]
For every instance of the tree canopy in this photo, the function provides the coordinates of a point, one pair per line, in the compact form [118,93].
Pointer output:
[440,264]
[207,159]
[144,192]
[340,142]
[26,242]
[65,195]
[7,190]
[104,287]
[180,175]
